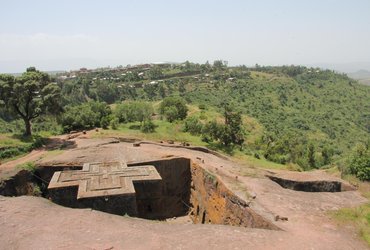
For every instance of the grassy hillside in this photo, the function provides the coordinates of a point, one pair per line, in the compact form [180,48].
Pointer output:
[291,114]
[322,107]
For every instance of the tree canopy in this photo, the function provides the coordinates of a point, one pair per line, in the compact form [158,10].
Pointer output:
[174,108]
[30,95]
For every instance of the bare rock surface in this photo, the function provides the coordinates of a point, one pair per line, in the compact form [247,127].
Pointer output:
[36,223]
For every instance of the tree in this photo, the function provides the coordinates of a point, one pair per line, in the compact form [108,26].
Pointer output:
[147,126]
[171,113]
[233,126]
[162,91]
[173,108]
[231,132]
[359,162]
[219,64]
[155,73]
[182,89]
[133,111]
[311,155]
[326,154]
[107,91]
[193,125]
[79,117]
[114,123]
[30,95]
[150,90]
[86,116]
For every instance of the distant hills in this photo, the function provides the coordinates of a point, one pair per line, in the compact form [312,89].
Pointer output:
[360,74]
[53,72]
[344,67]
[363,76]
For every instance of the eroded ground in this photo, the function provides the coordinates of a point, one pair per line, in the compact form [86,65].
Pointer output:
[36,223]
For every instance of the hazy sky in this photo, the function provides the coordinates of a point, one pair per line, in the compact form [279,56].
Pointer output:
[53,35]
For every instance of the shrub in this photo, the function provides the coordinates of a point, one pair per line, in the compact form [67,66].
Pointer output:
[29,166]
[359,162]
[85,116]
[104,122]
[171,113]
[174,108]
[36,142]
[133,111]
[114,123]
[11,152]
[202,106]
[147,126]
[193,126]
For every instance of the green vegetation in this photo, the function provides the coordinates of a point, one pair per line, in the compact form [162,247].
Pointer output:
[15,145]
[173,108]
[286,117]
[133,111]
[29,95]
[228,133]
[29,166]
[85,116]
[359,217]
[297,117]
[359,162]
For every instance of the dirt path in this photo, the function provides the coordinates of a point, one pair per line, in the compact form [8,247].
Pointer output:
[9,168]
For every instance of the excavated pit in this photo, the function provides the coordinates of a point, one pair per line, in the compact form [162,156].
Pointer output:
[186,189]
[309,186]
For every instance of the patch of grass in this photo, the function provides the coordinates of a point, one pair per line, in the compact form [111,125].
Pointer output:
[164,131]
[52,153]
[14,145]
[174,131]
[210,177]
[254,162]
[358,217]
[29,166]
[13,158]
[36,191]
[10,140]
[362,186]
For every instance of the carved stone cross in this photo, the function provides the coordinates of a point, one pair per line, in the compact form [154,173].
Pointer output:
[104,179]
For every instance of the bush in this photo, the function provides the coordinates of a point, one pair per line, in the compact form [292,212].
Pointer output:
[36,141]
[114,123]
[29,166]
[104,122]
[229,133]
[359,163]
[202,106]
[193,126]
[147,127]
[133,111]
[78,118]
[11,152]
[85,116]
[174,108]
[171,113]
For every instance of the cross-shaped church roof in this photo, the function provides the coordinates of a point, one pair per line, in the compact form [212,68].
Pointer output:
[104,179]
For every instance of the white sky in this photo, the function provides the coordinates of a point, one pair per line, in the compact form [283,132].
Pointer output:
[63,35]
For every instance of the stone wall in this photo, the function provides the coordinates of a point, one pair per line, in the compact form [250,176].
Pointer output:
[167,198]
[212,202]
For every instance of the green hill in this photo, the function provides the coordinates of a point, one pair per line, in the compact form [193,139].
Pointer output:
[290,112]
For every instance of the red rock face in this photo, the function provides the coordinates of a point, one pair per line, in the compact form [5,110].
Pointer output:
[214,203]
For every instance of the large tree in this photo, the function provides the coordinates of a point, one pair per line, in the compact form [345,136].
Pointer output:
[29,95]
[173,108]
